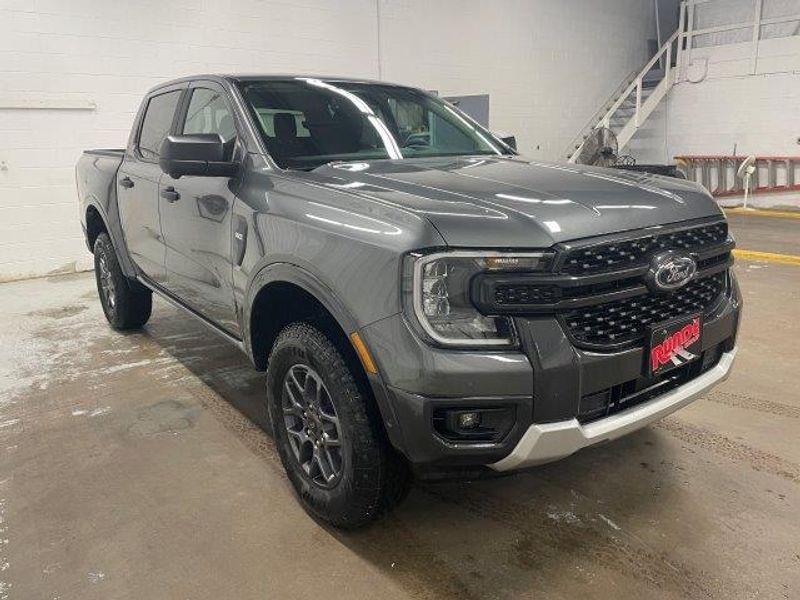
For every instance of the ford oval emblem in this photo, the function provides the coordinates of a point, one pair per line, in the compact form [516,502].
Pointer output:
[670,270]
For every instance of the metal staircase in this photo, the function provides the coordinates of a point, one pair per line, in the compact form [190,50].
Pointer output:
[636,98]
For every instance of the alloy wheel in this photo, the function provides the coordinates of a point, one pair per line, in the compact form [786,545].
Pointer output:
[107,284]
[312,425]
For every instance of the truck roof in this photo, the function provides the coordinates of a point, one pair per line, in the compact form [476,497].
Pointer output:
[234,77]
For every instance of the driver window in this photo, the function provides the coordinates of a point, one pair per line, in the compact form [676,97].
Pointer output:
[208,112]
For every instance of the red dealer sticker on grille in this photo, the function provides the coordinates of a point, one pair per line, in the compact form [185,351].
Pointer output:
[674,344]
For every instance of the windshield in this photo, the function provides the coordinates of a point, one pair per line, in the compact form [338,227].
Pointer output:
[308,122]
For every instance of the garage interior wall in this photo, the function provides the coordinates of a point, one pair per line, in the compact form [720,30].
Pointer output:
[733,93]
[72,75]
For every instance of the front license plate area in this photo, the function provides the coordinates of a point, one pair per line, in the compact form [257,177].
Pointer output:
[674,344]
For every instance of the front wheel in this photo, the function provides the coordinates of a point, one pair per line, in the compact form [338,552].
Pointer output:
[127,304]
[328,434]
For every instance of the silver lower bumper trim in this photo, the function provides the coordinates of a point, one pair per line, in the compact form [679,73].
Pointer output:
[546,442]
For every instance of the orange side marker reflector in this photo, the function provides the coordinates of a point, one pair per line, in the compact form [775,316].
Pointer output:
[363,353]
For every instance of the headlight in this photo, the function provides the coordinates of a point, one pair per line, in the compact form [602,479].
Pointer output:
[436,294]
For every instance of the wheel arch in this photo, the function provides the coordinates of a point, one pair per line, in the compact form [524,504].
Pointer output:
[270,303]
[283,293]
[96,221]
[95,225]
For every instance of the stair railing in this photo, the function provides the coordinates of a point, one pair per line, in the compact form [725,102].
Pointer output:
[641,109]
[599,113]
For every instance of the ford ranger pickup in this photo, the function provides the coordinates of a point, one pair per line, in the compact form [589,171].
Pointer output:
[420,296]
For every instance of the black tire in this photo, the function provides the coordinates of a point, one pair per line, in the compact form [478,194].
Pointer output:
[372,478]
[127,304]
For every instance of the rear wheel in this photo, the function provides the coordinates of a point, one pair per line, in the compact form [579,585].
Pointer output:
[328,433]
[127,304]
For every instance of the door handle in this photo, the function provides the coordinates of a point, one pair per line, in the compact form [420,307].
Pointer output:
[126,182]
[170,195]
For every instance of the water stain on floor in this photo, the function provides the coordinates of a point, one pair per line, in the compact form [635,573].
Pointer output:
[165,417]
[62,312]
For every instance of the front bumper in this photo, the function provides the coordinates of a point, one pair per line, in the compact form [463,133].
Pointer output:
[546,382]
[546,442]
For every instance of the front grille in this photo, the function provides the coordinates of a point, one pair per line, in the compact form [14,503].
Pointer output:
[614,256]
[621,322]
[524,294]
[600,289]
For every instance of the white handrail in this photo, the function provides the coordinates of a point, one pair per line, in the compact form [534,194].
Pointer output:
[636,84]
[592,122]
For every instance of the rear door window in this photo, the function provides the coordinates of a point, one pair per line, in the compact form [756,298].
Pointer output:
[157,123]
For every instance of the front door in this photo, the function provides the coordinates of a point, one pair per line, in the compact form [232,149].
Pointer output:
[137,186]
[196,217]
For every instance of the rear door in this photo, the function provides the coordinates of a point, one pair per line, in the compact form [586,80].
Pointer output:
[196,215]
[137,184]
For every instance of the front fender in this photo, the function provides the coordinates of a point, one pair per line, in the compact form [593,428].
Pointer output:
[302,278]
[284,272]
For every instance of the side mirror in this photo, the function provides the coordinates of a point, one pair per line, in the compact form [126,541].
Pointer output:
[199,154]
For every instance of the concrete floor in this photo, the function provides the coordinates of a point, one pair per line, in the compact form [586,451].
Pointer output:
[133,466]
[766,234]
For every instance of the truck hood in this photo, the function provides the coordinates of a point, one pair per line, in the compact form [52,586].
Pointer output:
[508,202]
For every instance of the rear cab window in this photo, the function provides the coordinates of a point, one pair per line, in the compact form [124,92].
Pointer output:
[266,117]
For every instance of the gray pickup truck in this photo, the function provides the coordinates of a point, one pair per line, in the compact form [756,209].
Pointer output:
[422,298]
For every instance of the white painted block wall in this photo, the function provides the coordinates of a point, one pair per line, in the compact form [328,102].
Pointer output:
[755,114]
[547,64]
[736,105]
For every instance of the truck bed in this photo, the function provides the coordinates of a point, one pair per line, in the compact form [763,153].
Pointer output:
[95,176]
